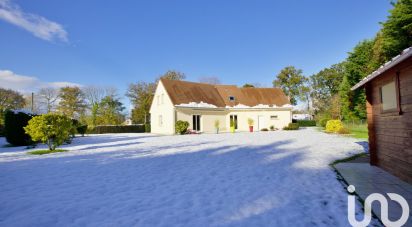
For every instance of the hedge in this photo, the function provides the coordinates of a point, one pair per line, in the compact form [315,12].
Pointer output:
[291,126]
[13,128]
[1,130]
[102,129]
[306,123]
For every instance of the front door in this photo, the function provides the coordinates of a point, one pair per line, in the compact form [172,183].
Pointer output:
[196,123]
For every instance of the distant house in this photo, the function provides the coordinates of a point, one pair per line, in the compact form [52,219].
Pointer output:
[302,116]
[389,111]
[202,104]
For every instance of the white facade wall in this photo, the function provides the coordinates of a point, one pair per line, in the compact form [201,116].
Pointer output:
[262,118]
[207,119]
[279,118]
[162,112]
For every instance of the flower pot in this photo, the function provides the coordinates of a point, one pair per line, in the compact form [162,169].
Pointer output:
[251,128]
[232,129]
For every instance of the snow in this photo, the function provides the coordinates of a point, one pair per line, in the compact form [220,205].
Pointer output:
[248,179]
[238,106]
[259,106]
[198,105]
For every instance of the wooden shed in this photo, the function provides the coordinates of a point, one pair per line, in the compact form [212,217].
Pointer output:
[389,113]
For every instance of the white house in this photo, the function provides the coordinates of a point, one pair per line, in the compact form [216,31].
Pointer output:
[202,104]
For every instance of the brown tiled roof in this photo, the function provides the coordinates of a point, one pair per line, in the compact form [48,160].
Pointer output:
[183,92]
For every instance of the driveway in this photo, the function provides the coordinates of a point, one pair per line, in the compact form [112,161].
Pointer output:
[243,179]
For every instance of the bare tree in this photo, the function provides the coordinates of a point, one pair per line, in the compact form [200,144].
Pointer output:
[48,97]
[209,80]
[94,96]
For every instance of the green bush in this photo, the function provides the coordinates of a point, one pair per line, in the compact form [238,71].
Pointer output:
[51,129]
[81,129]
[1,130]
[344,131]
[13,128]
[264,130]
[292,126]
[181,127]
[272,128]
[323,121]
[306,123]
[147,128]
[74,129]
[103,129]
[334,126]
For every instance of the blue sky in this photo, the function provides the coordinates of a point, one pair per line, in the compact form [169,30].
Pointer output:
[119,42]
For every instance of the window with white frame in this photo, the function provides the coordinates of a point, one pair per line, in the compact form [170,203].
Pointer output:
[162,99]
[158,99]
[388,96]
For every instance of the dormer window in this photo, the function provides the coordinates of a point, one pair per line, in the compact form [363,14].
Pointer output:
[231,98]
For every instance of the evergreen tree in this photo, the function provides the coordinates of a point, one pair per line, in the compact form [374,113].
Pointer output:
[397,30]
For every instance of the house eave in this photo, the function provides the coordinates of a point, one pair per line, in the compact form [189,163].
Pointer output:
[233,109]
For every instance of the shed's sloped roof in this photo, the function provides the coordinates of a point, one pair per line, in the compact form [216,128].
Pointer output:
[183,92]
[396,60]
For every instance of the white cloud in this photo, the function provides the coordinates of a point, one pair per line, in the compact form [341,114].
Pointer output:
[24,84]
[37,25]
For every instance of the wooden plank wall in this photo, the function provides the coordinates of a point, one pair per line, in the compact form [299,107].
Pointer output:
[391,133]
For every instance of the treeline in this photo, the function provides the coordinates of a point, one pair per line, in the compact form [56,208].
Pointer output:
[90,105]
[328,93]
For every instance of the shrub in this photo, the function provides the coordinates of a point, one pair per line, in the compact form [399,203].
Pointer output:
[323,121]
[272,128]
[306,123]
[147,128]
[1,130]
[217,124]
[344,131]
[250,121]
[81,129]
[264,130]
[51,129]
[181,127]
[102,129]
[333,126]
[13,128]
[73,129]
[294,120]
[292,126]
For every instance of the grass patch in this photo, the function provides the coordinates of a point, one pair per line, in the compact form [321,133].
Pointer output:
[41,152]
[359,131]
[348,159]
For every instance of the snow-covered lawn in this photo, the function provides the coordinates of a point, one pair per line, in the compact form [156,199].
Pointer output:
[250,179]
